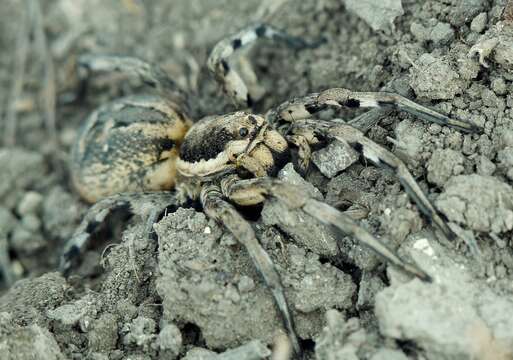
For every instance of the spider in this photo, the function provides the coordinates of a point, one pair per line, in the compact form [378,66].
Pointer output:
[132,152]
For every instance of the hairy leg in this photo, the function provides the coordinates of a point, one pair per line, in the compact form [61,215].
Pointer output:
[235,78]
[146,205]
[220,210]
[304,153]
[384,158]
[148,73]
[253,191]
[305,107]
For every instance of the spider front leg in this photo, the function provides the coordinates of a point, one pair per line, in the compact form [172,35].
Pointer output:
[305,107]
[146,205]
[256,190]
[148,73]
[220,210]
[235,73]
[384,158]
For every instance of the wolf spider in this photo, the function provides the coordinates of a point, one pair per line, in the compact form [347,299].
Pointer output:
[132,152]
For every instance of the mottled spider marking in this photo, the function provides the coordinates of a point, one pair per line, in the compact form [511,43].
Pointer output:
[141,204]
[209,137]
[306,106]
[128,145]
[235,141]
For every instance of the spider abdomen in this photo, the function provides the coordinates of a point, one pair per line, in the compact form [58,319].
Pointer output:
[128,145]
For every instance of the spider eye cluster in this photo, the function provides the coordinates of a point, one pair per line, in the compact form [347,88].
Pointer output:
[243,131]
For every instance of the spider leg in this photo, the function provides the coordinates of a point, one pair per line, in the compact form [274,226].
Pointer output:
[220,210]
[304,107]
[384,158]
[234,77]
[256,190]
[145,205]
[304,153]
[148,73]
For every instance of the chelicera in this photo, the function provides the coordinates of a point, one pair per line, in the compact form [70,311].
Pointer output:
[144,154]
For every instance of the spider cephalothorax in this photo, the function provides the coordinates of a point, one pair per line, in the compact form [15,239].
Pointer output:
[237,141]
[140,144]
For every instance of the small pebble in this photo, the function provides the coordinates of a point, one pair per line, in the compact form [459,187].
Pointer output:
[31,222]
[484,166]
[479,23]
[245,284]
[442,34]
[30,203]
[170,338]
[499,86]
[334,158]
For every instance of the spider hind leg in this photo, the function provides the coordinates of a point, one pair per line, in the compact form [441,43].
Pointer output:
[148,206]
[217,208]
[384,158]
[258,189]
[150,74]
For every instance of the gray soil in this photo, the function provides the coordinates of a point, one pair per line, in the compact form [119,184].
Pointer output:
[188,289]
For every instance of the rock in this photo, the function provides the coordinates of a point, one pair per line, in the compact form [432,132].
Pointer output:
[288,174]
[103,336]
[409,136]
[61,224]
[505,157]
[200,354]
[443,164]
[304,229]
[462,12]
[170,340]
[21,170]
[378,14]
[339,340]
[478,24]
[200,277]
[141,332]
[442,34]
[503,54]
[434,78]
[254,350]
[388,354]
[30,203]
[72,313]
[370,285]
[334,158]
[30,343]
[481,203]
[30,299]
[499,86]
[456,317]
[484,166]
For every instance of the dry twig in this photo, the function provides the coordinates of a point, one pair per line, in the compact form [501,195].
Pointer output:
[48,93]
[18,75]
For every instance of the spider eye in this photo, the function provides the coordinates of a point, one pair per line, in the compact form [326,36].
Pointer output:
[243,131]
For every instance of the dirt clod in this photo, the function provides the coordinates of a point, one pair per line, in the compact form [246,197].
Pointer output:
[481,203]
